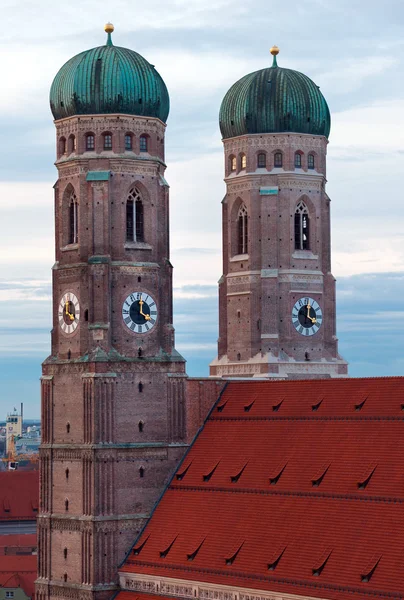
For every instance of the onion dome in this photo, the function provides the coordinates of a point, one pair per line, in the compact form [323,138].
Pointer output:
[274,100]
[106,80]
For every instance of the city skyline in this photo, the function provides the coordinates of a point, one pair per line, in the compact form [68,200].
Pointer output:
[199,61]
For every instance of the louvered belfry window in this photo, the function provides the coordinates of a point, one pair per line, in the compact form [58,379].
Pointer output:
[73,219]
[134,217]
[302,227]
[242,233]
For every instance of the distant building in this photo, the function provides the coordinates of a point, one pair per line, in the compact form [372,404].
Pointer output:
[17,577]
[13,427]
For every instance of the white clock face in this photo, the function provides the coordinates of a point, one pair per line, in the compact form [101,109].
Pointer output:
[139,312]
[307,316]
[69,312]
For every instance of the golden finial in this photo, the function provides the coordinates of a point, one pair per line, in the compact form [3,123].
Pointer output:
[109,28]
[274,51]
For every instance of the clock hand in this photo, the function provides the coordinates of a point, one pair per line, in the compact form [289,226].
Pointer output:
[147,317]
[312,319]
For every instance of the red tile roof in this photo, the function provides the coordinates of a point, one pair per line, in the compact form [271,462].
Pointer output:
[17,544]
[19,495]
[305,493]
[18,571]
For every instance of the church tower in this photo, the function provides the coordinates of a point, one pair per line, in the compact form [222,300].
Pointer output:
[277,294]
[113,387]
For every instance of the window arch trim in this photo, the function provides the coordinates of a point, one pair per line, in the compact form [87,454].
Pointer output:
[73,211]
[135,216]
[242,230]
[302,226]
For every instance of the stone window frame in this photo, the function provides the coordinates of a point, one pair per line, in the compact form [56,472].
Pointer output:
[71,144]
[232,163]
[264,154]
[89,147]
[62,146]
[144,143]
[278,164]
[300,154]
[107,141]
[128,136]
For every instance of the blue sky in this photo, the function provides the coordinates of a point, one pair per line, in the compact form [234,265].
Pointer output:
[351,49]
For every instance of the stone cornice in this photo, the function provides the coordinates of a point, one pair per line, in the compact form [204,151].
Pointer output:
[183,588]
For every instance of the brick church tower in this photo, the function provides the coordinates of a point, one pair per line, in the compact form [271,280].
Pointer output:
[277,294]
[113,387]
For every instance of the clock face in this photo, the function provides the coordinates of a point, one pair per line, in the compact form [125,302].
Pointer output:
[139,312]
[307,316]
[69,312]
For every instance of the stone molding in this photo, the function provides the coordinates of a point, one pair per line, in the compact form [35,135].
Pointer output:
[242,279]
[273,141]
[100,123]
[198,590]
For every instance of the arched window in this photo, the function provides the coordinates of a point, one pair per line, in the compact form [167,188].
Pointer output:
[71,144]
[107,141]
[243,161]
[73,220]
[141,426]
[278,159]
[128,141]
[65,553]
[141,472]
[301,227]
[134,217]
[62,146]
[233,163]
[262,160]
[242,230]
[66,504]
[143,143]
[298,160]
[310,161]
[90,141]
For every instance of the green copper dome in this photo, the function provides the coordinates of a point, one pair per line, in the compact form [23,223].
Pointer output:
[274,100]
[106,80]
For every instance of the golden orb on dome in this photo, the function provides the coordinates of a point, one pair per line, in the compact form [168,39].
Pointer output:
[109,28]
[274,50]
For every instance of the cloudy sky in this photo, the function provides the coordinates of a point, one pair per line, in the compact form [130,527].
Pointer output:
[350,48]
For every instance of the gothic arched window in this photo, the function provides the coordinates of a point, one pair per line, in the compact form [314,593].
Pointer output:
[90,141]
[243,161]
[242,230]
[73,220]
[233,163]
[134,217]
[310,161]
[298,160]
[278,159]
[301,227]
[262,160]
